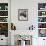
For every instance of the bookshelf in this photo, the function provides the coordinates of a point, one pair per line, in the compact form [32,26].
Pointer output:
[42,19]
[4,19]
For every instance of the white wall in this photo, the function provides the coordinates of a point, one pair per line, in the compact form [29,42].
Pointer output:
[32,6]
[32,13]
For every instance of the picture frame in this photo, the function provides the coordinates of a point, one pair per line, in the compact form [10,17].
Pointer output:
[23,14]
[42,33]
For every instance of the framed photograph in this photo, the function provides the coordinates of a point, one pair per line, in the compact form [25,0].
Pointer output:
[23,14]
[42,32]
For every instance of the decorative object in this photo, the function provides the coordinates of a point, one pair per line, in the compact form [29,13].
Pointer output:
[42,32]
[42,19]
[31,27]
[4,29]
[0,7]
[41,6]
[3,13]
[23,14]
[6,7]
[43,25]
[4,26]
[13,27]
[43,13]
[3,19]
[23,40]
[22,43]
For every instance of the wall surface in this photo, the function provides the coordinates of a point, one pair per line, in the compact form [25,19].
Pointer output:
[32,13]
[32,6]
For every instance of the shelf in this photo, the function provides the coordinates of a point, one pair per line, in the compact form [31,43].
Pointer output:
[41,10]
[42,16]
[41,28]
[3,22]
[42,19]
[3,16]
[3,10]
[4,19]
[41,22]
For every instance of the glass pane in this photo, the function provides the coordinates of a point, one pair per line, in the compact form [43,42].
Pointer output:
[41,6]
[42,25]
[3,19]
[42,32]
[3,6]
[3,13]
[4,29]
[41,19]
[41,13]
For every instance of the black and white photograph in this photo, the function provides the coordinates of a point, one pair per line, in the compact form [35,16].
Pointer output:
[42,32]
[23,14]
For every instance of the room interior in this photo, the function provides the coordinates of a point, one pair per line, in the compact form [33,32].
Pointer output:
[22,22]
